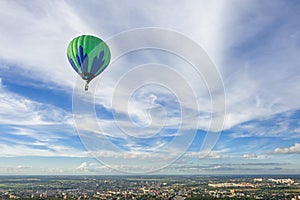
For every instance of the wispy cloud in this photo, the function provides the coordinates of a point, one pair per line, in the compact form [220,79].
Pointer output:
[47,151]
[282,125]
[262,79]
[31,128]
[18,110]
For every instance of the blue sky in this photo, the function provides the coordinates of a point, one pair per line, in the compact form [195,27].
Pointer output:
[255,46]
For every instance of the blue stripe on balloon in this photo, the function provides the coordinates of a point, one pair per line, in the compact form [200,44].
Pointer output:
[84,65]
[101,70]
[101,55]
[72,64]
[97,63]
[82,59]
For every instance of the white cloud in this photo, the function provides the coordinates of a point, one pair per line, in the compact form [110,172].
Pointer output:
[215,154]
[23,167]
[83,166]
[288,150]
[247,156]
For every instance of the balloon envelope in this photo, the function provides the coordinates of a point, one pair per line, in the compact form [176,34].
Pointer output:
[88,55]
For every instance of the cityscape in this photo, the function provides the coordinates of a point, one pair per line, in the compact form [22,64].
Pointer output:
[151,187]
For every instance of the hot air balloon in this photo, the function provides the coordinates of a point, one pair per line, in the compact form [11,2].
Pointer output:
[89,56]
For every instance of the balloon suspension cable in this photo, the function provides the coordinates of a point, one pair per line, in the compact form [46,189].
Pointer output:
[86,87]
